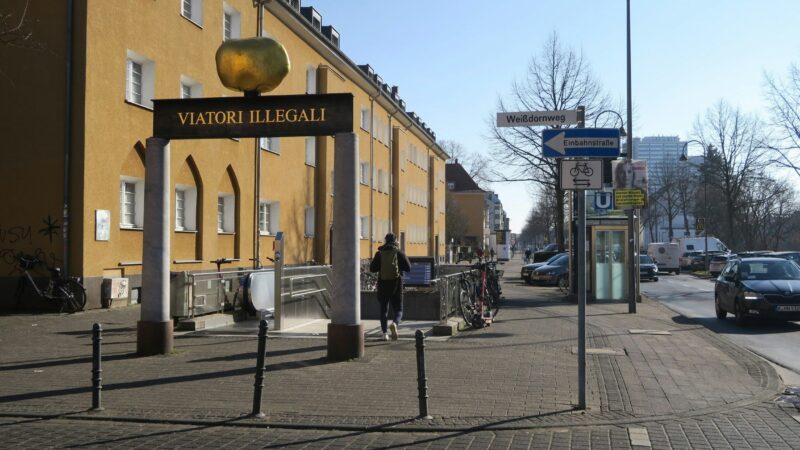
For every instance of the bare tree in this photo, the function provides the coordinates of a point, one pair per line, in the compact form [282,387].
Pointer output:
[540,221]
[738,156]
[471,162]
[784,100]
[557,79]
[665,180]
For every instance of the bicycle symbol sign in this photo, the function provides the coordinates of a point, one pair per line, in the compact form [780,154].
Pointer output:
[581,174]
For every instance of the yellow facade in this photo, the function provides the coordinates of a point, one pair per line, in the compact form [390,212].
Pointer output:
[403,191]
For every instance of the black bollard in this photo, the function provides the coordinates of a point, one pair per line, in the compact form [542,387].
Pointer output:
[422,379]
[97,379]
[263,328]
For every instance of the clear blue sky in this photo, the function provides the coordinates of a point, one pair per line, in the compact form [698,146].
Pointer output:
[453,59]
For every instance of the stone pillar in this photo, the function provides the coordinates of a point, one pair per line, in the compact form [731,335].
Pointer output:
[154,330]
[345,332]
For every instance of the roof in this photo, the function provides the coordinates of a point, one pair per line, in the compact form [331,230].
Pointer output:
[457,176]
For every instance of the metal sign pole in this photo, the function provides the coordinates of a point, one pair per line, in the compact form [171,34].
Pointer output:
[580,252]
[581,276]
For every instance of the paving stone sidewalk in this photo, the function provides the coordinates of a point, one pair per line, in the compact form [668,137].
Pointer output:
[518,374]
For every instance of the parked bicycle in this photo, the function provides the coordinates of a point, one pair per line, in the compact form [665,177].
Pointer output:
[67,292]
[480,295]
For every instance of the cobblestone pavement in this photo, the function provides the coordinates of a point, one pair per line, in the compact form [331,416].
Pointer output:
[512,385]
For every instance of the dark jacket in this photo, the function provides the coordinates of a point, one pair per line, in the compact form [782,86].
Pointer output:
[402,260]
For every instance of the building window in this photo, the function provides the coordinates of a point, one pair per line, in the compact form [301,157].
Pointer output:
[271,144]
[180,209]
[311,80]
[311,151]
[365,118]
[364,227]
[139,80]
[131,202]
[190,88]
[193,10]
[231,23]
[365,173]
[185,208]
[226,208]
[268,217]
[309,221]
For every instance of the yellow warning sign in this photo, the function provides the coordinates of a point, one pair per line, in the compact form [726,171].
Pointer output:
[629,198]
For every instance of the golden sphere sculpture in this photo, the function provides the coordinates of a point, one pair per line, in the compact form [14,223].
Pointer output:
[257,64]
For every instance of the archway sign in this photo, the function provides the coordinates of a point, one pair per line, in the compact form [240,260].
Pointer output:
[252,65]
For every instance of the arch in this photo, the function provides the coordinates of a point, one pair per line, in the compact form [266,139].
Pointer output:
[229,214]
[190,184]
[133,164]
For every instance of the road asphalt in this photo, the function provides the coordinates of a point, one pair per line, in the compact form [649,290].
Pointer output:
[654,379]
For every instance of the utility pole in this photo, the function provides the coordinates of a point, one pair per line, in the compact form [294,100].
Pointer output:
[632,236]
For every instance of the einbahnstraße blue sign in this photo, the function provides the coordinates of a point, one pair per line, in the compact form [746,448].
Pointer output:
[581,143]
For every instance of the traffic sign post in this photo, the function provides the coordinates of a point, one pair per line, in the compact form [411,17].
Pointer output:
[581,143]
[537,118]
[581,174]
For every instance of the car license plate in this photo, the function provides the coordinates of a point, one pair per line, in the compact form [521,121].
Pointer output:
[787,308]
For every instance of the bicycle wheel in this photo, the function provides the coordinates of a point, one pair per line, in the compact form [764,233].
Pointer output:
[72,296]
[465,302]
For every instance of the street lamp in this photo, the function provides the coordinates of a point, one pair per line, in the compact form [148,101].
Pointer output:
[683,158]
[622,132]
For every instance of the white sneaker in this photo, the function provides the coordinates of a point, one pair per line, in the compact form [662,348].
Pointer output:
[385,336]
[393,330]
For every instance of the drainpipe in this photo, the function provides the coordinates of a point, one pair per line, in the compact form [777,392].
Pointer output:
[371,171]
[257,175]
[67,135]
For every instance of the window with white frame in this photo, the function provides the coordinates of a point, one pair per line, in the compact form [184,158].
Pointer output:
[231,22]
[374,178]
[311,151]
[226,210]
[190,88]
[309,228]
[403,158]
[270,144]
[379,180]
[364,172]
[193,10]
[269,217]
[311,79]
[365,118]
[185,208]
[131,202]
[364,227]
[139,79]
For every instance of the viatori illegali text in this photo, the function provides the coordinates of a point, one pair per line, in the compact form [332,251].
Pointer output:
[254,116]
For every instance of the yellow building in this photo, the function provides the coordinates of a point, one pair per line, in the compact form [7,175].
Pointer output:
[80,97]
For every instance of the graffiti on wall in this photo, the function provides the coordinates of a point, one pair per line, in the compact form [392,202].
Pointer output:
[18,239]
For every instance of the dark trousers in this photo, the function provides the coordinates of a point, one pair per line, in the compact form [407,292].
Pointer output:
[390,292]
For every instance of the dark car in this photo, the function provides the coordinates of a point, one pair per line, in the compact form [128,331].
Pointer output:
[699,260]
[648,270]
[758,287]
[525,273]
[552,272]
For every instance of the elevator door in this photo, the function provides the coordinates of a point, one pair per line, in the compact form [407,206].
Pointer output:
[610,254]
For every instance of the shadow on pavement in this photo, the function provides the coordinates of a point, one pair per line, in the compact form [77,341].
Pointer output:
[753,326]
[252,355]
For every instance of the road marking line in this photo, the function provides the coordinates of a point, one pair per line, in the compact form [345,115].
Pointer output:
[639,437]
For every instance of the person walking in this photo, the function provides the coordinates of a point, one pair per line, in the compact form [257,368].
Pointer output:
[390,263]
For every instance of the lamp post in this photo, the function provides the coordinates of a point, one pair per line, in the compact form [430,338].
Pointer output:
[684,158]
[622,132]
[633,275]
